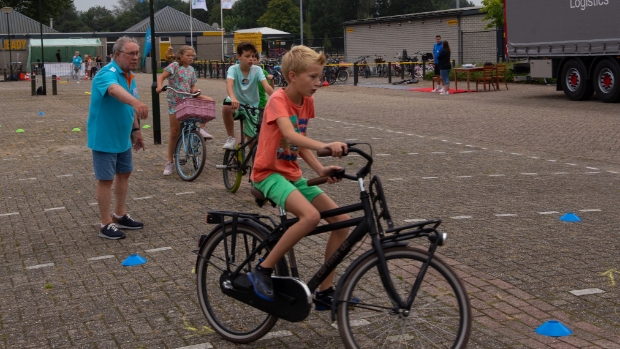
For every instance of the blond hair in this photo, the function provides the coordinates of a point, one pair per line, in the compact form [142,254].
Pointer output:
[299,58]
[182,51]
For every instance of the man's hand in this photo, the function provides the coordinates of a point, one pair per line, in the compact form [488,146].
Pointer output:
[138,141]
[337,148]
[141,110]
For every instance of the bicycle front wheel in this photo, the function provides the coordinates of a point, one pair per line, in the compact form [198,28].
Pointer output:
[233,173]
[233,320]
[440,316]
[343,76]
[190,156]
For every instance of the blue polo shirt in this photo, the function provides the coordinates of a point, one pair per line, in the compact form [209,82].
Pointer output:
[110,121]
[77,61]
[437,48]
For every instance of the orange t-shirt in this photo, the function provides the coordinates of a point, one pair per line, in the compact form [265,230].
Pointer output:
[274,154]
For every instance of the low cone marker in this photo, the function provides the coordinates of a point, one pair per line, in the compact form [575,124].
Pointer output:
[19,130]
[41,113]
[146,126]
[76,129]
[570,217]
[132,260]
[553,328]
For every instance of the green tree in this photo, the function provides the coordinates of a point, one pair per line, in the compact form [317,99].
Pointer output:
[70,22]
[282,15]
[250,11]
[99,19]
[494,13]
[30,8]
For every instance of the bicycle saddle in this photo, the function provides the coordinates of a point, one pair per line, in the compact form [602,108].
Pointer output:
[260,198]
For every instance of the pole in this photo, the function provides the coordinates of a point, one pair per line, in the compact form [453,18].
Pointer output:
[222,26]
[191,32]
[154,94]
[42,51]
[8,29]
[301,21]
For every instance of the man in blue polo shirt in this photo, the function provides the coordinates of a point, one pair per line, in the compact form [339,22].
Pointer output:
[437,48]
[112,122]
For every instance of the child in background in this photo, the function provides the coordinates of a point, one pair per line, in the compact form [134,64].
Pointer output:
[182,77]
[276,172]
[242,82]
[261,90]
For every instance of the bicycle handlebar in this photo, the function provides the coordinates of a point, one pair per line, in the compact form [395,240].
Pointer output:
[340,174]
[192,95]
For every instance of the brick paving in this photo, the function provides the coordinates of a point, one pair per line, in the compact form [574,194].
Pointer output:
[504,165]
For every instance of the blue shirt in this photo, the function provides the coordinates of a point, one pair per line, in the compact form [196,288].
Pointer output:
[110,121]
[77,61]
[246,87]
[437,50]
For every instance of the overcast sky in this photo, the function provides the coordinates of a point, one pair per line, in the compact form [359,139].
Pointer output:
[83,5]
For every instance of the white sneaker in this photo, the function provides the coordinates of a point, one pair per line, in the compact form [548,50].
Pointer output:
[204,134]
[231,143]
[436,89]
[444,93]
[168,169]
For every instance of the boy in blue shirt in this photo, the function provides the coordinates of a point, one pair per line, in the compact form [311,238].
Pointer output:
[242,82]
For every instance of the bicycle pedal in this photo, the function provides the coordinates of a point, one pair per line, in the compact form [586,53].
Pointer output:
[221,167]
[182,162]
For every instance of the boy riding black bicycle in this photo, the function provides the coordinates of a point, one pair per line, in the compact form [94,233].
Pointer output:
[276,172]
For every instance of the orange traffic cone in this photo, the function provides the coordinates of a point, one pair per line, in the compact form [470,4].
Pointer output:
[27,77]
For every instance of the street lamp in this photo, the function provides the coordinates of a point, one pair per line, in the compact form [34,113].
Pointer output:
[8,10]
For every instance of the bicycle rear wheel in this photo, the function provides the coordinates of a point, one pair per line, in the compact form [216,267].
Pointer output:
[233,173]
[190,156]
[439,318]
[233,320]
[343,76]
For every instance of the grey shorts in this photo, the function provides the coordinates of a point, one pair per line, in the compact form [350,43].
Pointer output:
[106,165]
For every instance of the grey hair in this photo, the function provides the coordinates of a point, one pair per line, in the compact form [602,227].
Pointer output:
[119,45]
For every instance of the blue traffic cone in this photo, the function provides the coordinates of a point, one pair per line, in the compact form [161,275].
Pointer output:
[553,328]
[132,260]
[570,217]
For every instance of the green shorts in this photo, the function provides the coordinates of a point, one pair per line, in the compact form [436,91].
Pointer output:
[277,188]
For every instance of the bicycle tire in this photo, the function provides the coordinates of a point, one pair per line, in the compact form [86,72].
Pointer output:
[233,173]
[277,79]
[440,315]
[190,162]
[343,76]
[233,320]
[331,78]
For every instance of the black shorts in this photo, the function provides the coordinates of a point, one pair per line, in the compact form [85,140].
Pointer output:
[437,70]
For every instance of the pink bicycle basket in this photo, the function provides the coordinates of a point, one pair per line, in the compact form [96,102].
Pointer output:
[194,108]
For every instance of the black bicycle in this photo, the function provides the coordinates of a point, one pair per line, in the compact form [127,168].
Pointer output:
[236,162]
[391,296]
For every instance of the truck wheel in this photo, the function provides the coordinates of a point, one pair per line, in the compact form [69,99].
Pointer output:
[574,82]
[606,81]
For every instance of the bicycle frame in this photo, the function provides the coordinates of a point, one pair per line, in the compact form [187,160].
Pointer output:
[363,225]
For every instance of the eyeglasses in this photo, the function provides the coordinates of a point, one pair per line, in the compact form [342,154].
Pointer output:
[133,54]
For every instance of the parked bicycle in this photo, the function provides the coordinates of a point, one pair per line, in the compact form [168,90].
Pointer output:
[190,150]
[381,66]
[363,69]
[391,296]
[237,163]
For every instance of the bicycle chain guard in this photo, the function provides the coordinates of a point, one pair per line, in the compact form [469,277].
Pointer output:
[293,299]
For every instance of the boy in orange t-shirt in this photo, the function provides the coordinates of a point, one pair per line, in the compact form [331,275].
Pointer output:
[276,172]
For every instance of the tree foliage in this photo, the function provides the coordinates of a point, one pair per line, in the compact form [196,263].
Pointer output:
[322,18]
[282,15]
[494,13]
[30,8]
